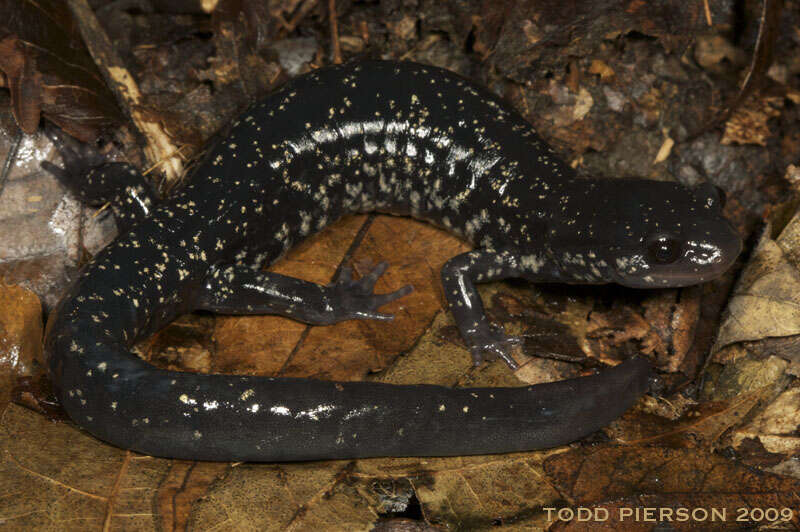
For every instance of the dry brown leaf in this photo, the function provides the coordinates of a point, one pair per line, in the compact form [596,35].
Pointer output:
[416,253]
[18,63]
[474,497]
[183,484]
[185,345]
[766,300]
[600,68]
[665,330]
[20,337]
[711,50]
[434,360]
[748,123]
[349,350]
[776,427]
[743,372]
[49,73]
[304,496]
[700,424]
[261,344]
[641,477]
[458,491]
[54,477]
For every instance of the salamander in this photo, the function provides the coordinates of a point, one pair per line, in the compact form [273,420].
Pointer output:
[392,137]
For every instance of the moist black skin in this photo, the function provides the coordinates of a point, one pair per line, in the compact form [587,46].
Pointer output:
[400,138]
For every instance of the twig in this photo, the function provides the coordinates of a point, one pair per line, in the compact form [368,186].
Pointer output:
[307,6]
[765,42]
[176,152]
[158,145]
[760,62]
[99,211]
[10,158]
[282,20]
[707,9]
[337,50]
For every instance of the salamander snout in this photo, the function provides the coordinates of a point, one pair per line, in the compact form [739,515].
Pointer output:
[691,242]
[681,260]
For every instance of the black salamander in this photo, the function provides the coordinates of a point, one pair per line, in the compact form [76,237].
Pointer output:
[392,137]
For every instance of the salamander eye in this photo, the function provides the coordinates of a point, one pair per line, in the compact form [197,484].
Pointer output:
[663,249]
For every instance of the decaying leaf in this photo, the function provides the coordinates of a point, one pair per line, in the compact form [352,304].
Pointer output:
[53,476]
[776,427]
[241,31]
[743,372]
[748,123]
[766,300]
[769,20]
[312,496]
[697,424]
[20,337]
[520,35]
[49,73]
[18,63]
[675,478]
[476,495]
[270,345]
[665,330]
[711,50]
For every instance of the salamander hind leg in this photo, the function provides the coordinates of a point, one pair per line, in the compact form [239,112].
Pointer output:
[233,289]
[96,182]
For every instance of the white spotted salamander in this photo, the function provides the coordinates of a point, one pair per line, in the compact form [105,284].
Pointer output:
[400,138]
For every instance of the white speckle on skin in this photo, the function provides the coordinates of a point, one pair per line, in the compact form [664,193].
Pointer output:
[280,411]
[323,410]
[359,412]
[185,399]
[247,394]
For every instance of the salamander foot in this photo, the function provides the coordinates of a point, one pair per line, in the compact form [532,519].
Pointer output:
[492,343]
[355,299]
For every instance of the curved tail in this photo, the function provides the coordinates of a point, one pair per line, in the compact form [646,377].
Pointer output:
[238,418]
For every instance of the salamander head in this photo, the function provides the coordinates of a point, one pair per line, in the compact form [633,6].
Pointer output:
[652,234]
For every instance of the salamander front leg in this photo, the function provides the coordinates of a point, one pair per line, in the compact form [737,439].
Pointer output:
[242,290]
[485,340]
[96,182]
